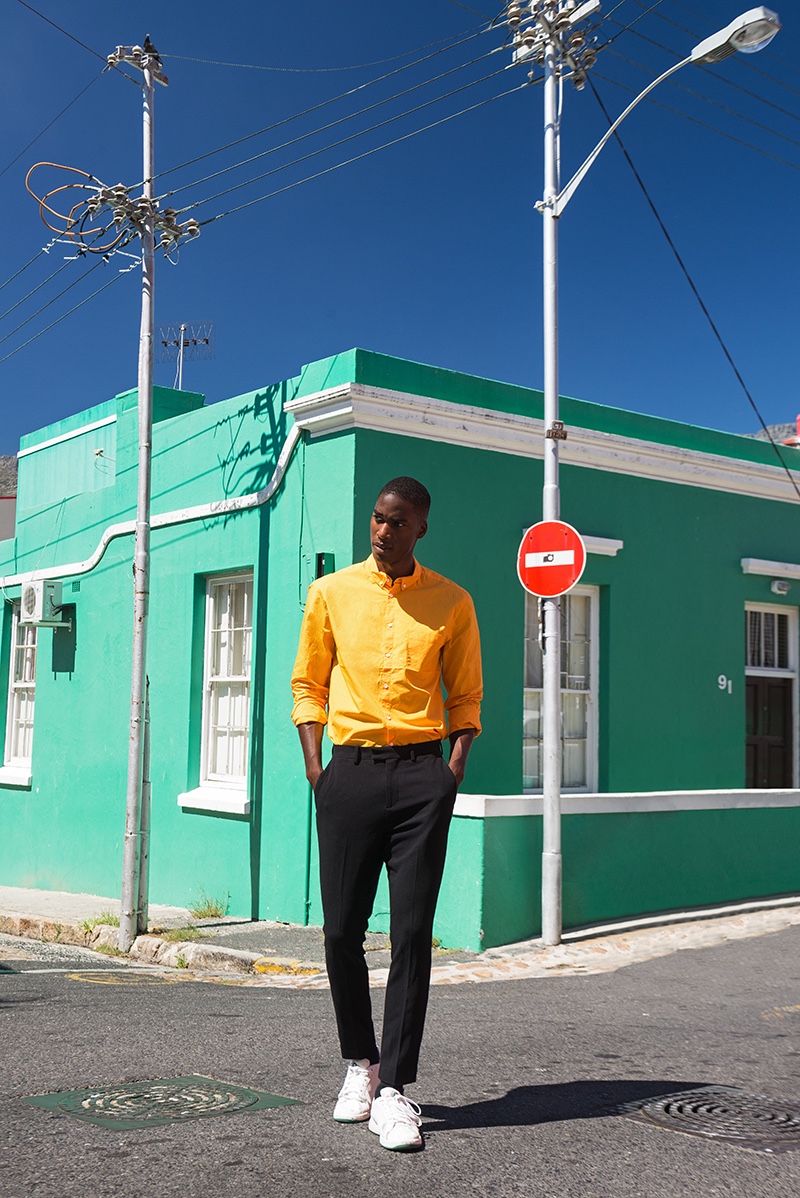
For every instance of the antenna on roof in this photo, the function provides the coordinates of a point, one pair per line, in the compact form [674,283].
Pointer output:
[194,341]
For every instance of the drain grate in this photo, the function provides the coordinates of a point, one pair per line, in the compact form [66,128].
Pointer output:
[726,1114]
[155,1103]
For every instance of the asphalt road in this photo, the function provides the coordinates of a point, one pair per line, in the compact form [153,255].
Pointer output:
[517,1079]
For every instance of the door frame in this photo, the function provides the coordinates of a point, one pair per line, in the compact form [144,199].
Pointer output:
[791,672]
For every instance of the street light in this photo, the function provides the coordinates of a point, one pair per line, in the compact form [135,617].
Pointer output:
[550,35]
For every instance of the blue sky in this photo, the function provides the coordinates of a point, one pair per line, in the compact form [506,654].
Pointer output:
[429,249]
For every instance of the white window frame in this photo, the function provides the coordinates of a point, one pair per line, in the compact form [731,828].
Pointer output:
[16,770]
[792,671]
[592,593]
[217,791]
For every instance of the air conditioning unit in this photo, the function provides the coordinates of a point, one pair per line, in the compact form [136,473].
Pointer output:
[41,604]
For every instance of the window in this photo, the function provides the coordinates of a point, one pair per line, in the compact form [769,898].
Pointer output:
[767,639]
[226,680]
[21,693]
[578,692]
[772,738]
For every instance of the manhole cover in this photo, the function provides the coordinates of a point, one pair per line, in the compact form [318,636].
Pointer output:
[726,1114]
[155,1103]
[108,977]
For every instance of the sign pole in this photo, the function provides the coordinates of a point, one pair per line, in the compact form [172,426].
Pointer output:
[551,607]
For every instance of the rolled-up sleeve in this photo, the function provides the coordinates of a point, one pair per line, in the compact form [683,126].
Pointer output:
[461,670]
[312,668]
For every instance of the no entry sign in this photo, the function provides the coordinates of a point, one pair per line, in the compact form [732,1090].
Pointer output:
[551,558]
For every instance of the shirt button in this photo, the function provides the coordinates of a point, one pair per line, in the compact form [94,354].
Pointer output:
[388,655]
[386,686]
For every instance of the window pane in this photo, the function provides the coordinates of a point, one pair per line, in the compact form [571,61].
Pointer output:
[576,683]
[22,680]
[227,689]
[767,640]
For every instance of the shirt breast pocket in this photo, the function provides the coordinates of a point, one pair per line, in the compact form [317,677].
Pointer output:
[424,648]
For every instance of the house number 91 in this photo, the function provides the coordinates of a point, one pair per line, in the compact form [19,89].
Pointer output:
[725,684]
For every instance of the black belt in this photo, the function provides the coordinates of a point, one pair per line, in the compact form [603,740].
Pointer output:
[379,753]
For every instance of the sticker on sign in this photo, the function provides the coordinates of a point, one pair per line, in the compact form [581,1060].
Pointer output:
[551,558]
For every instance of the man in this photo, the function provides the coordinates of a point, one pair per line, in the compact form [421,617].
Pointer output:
[379,642]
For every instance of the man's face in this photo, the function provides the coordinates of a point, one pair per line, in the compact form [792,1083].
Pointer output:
[394,529]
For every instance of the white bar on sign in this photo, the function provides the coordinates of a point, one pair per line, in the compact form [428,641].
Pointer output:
[557,557]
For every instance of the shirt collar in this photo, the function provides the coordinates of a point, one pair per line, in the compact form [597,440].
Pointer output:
[383,580]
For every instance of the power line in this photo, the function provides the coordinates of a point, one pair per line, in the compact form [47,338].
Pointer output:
[50,125]
[724,78]
[695,291]
[342,141]
[16,275]
[38,287]
[707,100]
[65,314]
[358,157]
[39,311]
[751,65]
[362,66]
[331,125]
[703,124]
[103,58]
[316,107]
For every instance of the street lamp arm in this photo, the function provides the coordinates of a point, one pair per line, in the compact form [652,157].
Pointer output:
[565,195]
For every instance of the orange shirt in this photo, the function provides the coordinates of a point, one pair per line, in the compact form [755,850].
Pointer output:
[374,655]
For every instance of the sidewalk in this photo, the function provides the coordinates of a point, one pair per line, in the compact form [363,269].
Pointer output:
[267,953]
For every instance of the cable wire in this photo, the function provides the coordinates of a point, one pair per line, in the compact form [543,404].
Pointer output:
[703,124]
[357,158]
[69,287]
[342,141]
[38,287]
[695,291]
[16,275]
[325,128]
[724,78]
[50,125]
[316,107]
[35,337]
[708,100]
[751,65]
[362,66]
[103,58]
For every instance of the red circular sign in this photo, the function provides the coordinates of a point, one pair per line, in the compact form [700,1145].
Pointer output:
[551,558]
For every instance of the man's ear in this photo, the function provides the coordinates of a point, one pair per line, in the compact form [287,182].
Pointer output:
[422,530]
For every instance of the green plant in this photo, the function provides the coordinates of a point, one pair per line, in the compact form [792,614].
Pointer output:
[209,907]
[105,917]
[180,934]
[181,962]
[110,950]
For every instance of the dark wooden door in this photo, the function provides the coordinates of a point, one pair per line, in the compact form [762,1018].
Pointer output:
[769,732]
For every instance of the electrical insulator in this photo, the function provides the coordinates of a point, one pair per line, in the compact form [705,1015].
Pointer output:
[191,228]
[119,215]
[514,14]
[576,41]
[589,58]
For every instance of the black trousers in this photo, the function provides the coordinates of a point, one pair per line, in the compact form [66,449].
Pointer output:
[380,807]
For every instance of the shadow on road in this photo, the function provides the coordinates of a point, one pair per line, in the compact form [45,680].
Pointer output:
[529,1105]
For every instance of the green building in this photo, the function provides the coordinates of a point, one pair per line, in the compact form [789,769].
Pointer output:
[680,656]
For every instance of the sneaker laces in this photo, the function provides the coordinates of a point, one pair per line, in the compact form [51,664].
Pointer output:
[404,1110]
[354,1079]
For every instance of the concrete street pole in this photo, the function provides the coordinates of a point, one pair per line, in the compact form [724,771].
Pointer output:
[132,848]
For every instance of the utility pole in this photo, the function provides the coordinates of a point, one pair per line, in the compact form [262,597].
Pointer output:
[130,217]
[544,32]
[147,62]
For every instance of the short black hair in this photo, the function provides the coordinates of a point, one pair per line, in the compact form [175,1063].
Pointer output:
[409,489]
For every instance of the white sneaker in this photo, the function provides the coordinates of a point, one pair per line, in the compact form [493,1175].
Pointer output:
[396,1120]
[355,1097]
